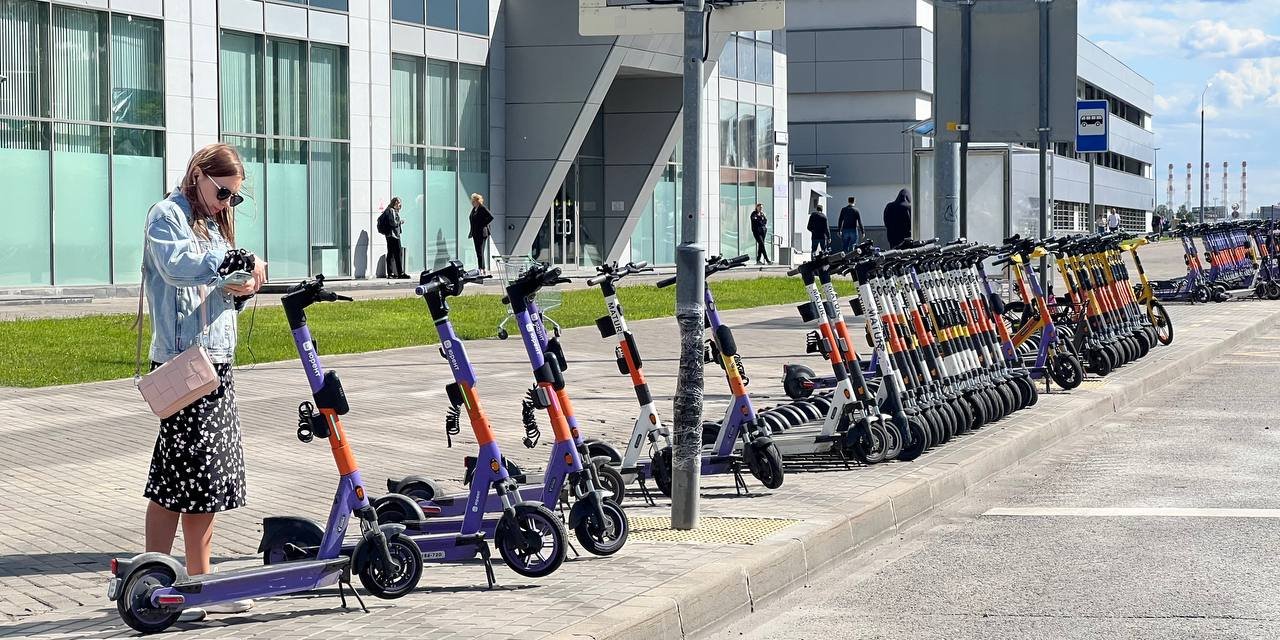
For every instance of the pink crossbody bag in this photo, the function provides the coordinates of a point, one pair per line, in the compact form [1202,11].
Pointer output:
[185,378]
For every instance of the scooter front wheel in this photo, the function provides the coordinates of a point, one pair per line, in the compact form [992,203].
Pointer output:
[134,603]
[765,463]
[919,440]
[604,538]
[1066,371]
[660,467]
[1273,290]
[533,541]
[386,582]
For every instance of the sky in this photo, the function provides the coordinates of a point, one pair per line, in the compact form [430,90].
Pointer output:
[1181,45]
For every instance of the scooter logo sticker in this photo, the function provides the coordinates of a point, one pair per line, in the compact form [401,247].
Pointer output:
[493,465]
[568,458]
[306,346]
[359,493]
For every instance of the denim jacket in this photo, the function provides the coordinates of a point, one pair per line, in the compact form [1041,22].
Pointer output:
[175,262]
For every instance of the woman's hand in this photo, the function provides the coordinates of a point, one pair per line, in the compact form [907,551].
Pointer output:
[253,285]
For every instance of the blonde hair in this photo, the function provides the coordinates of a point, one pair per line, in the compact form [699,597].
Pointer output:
[475,197]
[217,160]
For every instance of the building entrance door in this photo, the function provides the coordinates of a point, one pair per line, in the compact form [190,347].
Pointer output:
[557,241]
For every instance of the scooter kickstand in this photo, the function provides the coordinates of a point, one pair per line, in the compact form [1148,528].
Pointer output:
[342,593]
[644,490]
[488,564]
[739,484]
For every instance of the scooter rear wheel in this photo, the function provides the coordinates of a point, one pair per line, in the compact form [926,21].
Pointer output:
[615,488]
[798,382]
[660,467]
[385,584]
[607,538]
[960,407]
[134,602]
[765,464]
[1273,290]
[978,408]
[1029,386]
[533,542]
[1099,362]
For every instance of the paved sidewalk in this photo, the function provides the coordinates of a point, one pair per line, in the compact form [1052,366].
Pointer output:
[77,457]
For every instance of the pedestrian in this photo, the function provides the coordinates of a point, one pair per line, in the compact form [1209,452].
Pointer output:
[897,219]
[197,464]
[850,224]
[818,229]
[1100,224]
[760,230]
[479,233]
[1155,222]
[1168,222]
[1113,221]
[389,225]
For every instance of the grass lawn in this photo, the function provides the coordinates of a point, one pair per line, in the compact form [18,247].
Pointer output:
[38,353]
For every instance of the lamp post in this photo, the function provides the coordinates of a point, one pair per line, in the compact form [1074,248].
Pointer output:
[1155,178]
[1202,178]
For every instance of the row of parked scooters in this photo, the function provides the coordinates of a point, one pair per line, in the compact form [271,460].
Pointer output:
[1242,256]
[947,356]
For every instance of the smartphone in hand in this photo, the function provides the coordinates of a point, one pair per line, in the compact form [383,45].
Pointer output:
[237,278]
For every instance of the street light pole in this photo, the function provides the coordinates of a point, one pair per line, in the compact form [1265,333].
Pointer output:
[1203,176]
[1155,178]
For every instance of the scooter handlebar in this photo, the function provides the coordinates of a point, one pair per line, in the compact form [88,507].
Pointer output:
[666,282]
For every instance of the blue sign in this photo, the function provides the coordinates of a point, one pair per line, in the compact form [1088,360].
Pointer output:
[1092,128]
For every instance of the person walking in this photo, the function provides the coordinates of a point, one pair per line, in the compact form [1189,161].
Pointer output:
[389,224]
[850,224]
[1113,220]
[760,230]
[479,232]
[1100,224]
[897,219]
[818,229]
[197,464]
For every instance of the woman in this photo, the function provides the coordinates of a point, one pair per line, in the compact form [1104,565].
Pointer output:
[389,224]
[479,233]
[897,219]
[197,466]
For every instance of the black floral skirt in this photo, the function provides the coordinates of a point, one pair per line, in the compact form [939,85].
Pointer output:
[198,462]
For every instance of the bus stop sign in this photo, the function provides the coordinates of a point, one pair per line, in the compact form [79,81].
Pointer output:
[1092,126]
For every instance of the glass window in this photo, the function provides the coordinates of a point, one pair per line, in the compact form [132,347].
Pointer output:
[728,212]
[82,204]
[24,245]
[728,133]
[251,228]
[336,5]
[241,83]
[746,204]
[79,64]
[642,235]
[408,182]
[330,209]
[764,137]
[286,97]
[473,128]
[764,195]
[764,36]
[591,211]
[747,135]
[24,32]
[442,200]
[473,177]
[137,180]
[286,205]
[409,11]
[474,16]
[746,60]
[442,13]
[406,100]
[764,63]
[137,71]
[327,91]
[442,105]
[729,59]
[665,217]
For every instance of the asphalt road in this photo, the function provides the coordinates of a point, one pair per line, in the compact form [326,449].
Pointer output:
[1161,522]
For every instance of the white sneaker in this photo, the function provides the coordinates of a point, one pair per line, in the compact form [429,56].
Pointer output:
[235,606]
[194,614]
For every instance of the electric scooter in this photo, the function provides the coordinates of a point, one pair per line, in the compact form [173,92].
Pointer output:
[151,589]
[539,495]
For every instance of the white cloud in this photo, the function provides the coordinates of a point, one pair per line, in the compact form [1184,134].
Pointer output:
[1217,39]
[1250,82]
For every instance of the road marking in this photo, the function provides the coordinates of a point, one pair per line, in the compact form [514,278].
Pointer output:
[1132,512]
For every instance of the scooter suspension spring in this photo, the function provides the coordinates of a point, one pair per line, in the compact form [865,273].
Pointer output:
[529,417]
[452,426]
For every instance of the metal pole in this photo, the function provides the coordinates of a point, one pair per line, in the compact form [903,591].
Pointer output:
[690,282]
[1044,130]
[966,88]
[1093,211]
[1203,173]
[946,190]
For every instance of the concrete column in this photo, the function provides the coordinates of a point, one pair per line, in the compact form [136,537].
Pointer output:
[946,190]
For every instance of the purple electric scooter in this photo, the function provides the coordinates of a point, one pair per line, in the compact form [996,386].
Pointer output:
[151,589]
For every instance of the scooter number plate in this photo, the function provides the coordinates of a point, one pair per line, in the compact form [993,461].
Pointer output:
[113,588]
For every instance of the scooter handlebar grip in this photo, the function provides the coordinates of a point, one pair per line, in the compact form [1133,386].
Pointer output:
[591,282]
[666,282]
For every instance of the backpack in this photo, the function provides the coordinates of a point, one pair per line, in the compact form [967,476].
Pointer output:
[384,223]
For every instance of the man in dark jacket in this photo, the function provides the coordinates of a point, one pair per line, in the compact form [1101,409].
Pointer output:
[818,228]
[897,219]
[389,224]
[759,230]
[850,225]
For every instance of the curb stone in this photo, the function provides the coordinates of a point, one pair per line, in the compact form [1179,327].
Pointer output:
[688,605]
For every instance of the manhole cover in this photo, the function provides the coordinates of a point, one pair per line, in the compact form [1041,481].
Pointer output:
[709,531]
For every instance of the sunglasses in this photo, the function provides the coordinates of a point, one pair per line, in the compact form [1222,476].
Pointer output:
[225,194]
